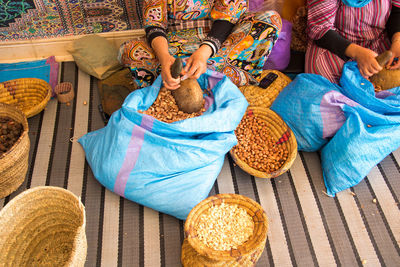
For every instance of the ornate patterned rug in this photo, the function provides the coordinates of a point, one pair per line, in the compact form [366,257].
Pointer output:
[37,19]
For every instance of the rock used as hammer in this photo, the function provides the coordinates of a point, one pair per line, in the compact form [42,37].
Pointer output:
[385,79]
[189,96]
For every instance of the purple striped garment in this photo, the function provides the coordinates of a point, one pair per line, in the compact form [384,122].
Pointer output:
[363,26]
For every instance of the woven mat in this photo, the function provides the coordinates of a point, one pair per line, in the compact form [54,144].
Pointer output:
[307,228]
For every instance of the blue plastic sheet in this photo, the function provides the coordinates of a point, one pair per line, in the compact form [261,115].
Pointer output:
[169,167]
[45,69]
[353,127]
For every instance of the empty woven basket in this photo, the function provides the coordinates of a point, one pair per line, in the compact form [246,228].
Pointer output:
[43,226]
[28,94]
[282,135]
[195,253]
[14,163]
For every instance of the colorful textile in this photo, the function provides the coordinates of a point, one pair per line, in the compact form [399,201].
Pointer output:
[45,69]
[241,57]
[335,15]
[28,19]
[160,12]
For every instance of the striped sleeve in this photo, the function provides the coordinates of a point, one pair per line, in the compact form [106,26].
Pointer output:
[396,3]
[321,17]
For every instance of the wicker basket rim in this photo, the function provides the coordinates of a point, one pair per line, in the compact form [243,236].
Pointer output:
[33,190]
[291,156]
[222,255]
[34,81]
[26,79]
[24,124]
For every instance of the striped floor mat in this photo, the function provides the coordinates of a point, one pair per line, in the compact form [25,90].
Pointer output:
[307,228]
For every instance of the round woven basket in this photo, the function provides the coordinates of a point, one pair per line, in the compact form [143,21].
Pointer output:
[280,132]
[196,253]
[257,96]
[28,94]
[14,163]
[65,92]
[43,226]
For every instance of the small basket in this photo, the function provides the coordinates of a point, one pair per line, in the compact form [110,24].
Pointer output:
[28,94]
[280,132]
[196,253]
[43,226]
[65,92]
[257,96]
[14,163]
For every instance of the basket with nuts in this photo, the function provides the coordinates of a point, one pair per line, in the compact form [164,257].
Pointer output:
[224,230]
[266,146]
[14,148]
[10,131]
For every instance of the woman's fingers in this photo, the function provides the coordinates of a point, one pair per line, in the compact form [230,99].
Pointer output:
[364,72]
[367,69]
[172,83]
[192,68]
[169,82]
[198,72]
[389,63]
[194,71]
[394,63]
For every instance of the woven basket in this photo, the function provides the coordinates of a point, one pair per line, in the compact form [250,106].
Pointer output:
[280,132]
[43,226]
[14,163]
[196,253]
[28,94]
[257,96]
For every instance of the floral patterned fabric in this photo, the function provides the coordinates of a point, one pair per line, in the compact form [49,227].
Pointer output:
[242,55]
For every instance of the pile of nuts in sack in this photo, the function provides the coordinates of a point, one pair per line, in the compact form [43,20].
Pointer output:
[165,108]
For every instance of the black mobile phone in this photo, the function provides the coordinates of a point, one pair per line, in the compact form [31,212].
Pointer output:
[267,80]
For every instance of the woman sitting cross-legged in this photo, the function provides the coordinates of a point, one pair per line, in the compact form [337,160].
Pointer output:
[215,34]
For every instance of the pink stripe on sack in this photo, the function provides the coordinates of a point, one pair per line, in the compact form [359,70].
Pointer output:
[54,69]
[132,154]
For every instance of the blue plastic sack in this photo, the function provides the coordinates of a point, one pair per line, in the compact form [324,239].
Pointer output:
[370,133]
[311,106]
[354,127]
[169,167]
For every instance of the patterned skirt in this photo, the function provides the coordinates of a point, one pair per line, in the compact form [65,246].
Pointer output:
[241,57]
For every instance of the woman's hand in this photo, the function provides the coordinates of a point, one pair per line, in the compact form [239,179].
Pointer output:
[196,64]
[395,48]
[365,58]
[160,47]
[169,82]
